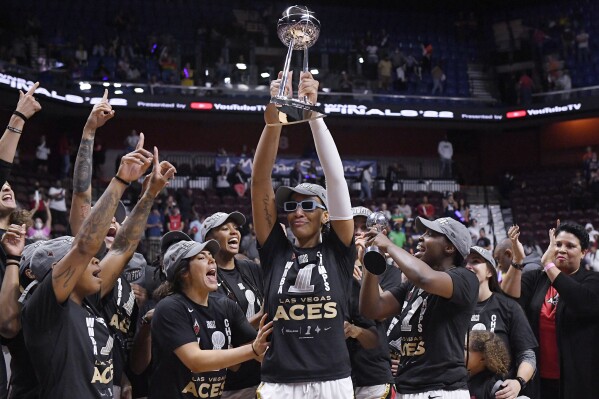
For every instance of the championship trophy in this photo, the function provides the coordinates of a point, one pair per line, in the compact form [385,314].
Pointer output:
[374,259]
[298,29]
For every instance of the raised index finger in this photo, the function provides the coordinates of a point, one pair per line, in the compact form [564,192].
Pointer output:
[140,142]
[33,88]
[105,96]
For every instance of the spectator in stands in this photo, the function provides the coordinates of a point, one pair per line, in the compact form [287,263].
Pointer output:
[384,73]
[154,224]
[564,82]
[81,55]
[562,305]
[593,234]
[582,40]
[345,85]
[296,176]
[525,88]
[397,235]
[385,210]
[187,75]
[425,209]
[588,154]
[41,231]
[249,245]
[427,57]
[591,166]
[101,72]
[58,205]
[41,155]
[175,220]
[365,184]
[591,259]
[450,207]
[312,173]
[438,79]
[221,182]
[238,180]
[473,229]
[483,241]
[578,190]
[464,210]
[131,140]
[445,151]
[404,208]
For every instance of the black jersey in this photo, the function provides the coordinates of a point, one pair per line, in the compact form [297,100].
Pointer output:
[369,366]
[504,317]
[244,285]
[178,321]
[307,295]
[432,335]
[70,343]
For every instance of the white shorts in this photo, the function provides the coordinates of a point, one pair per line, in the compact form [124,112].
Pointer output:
[382,391]
[334,389]
[245,393]
[458,394]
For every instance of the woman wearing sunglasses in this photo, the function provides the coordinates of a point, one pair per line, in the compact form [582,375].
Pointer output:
[307,284]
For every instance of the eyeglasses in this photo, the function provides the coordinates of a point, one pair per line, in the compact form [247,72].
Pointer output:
[307,205]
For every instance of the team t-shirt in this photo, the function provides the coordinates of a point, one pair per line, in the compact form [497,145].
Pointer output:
[23,382]
[307,295]
[244,285]
[504,317]
[369,366]
[70,343]
[178,321]
[432,335]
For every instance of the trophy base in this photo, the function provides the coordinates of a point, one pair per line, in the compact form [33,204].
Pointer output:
[374,261]
[292,111]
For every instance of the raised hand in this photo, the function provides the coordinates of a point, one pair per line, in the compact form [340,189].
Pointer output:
[13,240]
[379,239]
[549,255]
[136,163]
[261,344]
[514,235]
[308,87]
[101,112]
[161,174]
[276,84]
[27,104]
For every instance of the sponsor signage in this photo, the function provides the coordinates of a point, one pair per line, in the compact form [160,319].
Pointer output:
[211,104]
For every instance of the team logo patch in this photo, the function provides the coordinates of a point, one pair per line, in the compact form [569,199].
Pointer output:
[196,327]
[211,324]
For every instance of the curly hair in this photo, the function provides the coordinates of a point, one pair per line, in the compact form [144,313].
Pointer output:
[576,230]
[21,216]
[496,353]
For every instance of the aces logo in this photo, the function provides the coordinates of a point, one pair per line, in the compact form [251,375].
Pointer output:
[196,327]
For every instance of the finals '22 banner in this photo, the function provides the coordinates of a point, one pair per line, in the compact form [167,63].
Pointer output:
[284,166]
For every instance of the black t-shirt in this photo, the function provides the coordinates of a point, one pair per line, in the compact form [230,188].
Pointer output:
[432,335]
[369,366]
[504,317]
[244,285]
[481,385]
[391,277]
[121,312]
[23,382]
[70,343]
[178,321]
[307,295]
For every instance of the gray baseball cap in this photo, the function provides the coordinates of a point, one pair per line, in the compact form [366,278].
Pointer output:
[361,211]
[218,219]
[486,254]
[182,250]
[49,253]
[135,270]
[27,255]
[170,238]
[455,232]
[313,190]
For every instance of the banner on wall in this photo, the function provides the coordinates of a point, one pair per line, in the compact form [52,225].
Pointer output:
[284,166]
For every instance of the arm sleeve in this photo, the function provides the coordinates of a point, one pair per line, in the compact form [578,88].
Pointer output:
[242,330]
[171,325]
[527,356]
[581,297]
[337,190]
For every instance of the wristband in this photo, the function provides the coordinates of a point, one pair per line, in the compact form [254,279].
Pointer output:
[20,115]
[521,382]
[144,321]
[518,266]
[14,129]
[125,182]
[14,257]
[254,350]
[548,266]
[12,263]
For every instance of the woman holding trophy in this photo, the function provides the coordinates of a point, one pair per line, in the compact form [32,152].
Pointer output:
[307,284]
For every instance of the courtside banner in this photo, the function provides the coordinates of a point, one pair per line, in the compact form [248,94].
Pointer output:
[175,99]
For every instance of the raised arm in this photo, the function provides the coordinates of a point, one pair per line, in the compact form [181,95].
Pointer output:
[337,191]
[132,230]
[264,209]
[82,174]
[13,242]
[89,239]
[26,107]
[511,283]
[48,224]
